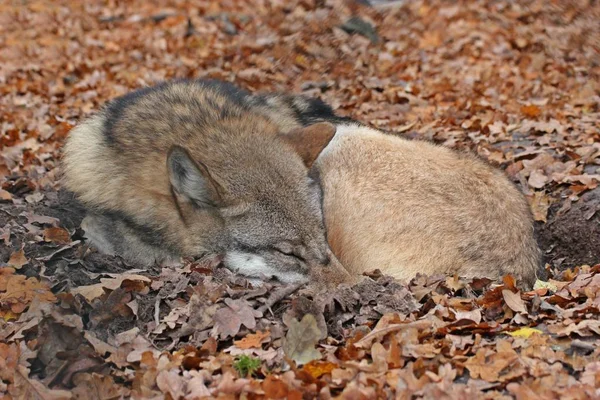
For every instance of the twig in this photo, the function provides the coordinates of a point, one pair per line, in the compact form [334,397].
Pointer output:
[278,296]
[157,311]
[366,341]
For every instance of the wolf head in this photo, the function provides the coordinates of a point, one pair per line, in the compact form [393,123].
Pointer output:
[256,192]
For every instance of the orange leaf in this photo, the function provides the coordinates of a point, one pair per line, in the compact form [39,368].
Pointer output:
[274,388]
[4,195]
[57,235]
[317,369]
[531,111]
[252,340]
[20,292]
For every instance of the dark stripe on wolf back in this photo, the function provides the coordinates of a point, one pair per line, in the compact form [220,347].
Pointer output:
[115,109]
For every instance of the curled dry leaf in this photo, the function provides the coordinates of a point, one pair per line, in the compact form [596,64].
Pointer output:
[301,340]
[91,292]
[514,301]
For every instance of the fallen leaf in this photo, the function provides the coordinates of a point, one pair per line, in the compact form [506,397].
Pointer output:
[514,301]
[5,196]
[32,389]
[524,332]
[545,285]
[91,292]
[57,235]
[228,320]
[316,369]
[531,111]
[539,204]
[494,366]
[537,179]
[96,387]
[9,359]
[21,291]
[301,339]
[17,259]
[171,383]
[253,340]
[274,388]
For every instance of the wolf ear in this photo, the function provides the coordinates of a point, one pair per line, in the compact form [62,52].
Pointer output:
[190,180]
[310,140]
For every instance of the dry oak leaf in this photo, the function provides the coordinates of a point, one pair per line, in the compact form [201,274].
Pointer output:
[91,292]
[17,259]
[253,340]
[20,292]
[97,387]
[531,111]
[30,389]
[301,339]
[514,301]
[9,359]
[170,382]
[316,369]
[498,366]
[57,235]
[228,320]
[274,388]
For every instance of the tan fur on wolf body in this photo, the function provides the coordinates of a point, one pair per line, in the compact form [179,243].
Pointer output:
[408,207]
[190,168]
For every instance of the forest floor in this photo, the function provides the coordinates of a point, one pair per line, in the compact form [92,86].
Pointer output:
[515,81]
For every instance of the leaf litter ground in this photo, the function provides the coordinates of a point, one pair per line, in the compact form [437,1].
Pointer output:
[516,82]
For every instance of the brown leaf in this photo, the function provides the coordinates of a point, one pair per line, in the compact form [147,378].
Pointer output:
[17,259]
[316,369]
[96,387]
[514,301]
[539,204]
[91,292]
[253,340]
[210,345]
[228,320]
[494,366]
[274,388]
[531,111]
[31,389]
[9,358]
[21,291]
[57,235]
[5,196]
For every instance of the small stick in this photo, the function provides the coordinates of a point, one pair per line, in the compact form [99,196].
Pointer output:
[366,341]
[278,296]
[157,311]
